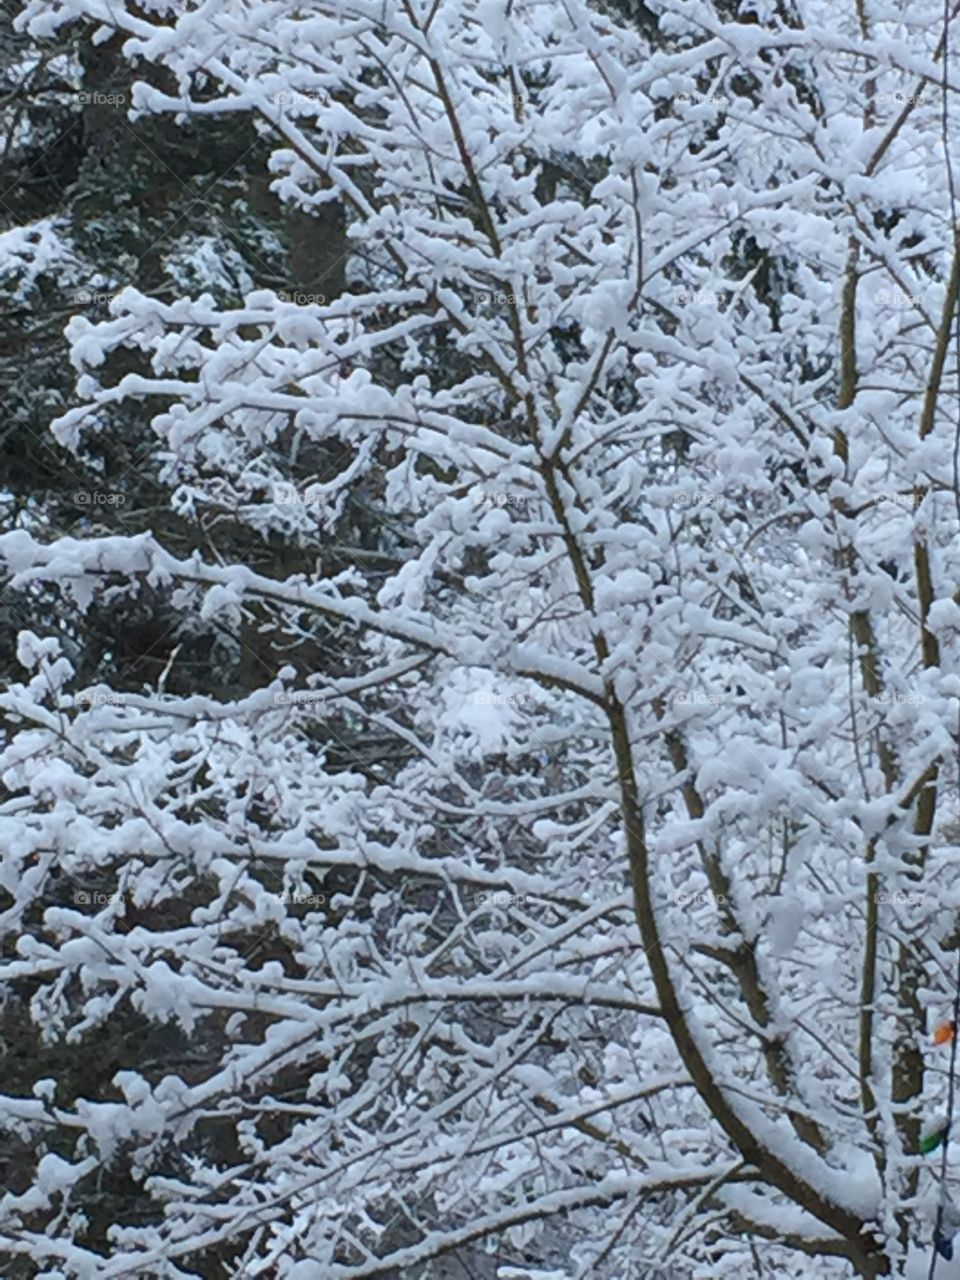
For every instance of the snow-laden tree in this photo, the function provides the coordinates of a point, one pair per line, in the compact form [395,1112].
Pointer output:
[619,953]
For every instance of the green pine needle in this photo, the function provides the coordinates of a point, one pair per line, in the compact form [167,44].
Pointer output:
[932,1140]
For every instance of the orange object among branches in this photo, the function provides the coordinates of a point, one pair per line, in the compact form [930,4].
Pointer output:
[944,1033]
